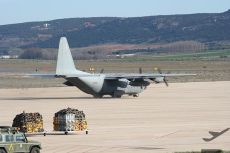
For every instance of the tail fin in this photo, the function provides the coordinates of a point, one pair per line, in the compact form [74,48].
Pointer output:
[65,63]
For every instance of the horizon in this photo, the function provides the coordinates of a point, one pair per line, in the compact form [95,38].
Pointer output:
[14,11]
[110,17]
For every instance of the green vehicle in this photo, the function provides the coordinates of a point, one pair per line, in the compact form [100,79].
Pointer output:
[12,141]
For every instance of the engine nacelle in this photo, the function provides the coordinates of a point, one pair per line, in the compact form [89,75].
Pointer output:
[122,83]
[139,83]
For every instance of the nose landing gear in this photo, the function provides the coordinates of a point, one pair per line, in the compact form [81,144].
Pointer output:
[136,95]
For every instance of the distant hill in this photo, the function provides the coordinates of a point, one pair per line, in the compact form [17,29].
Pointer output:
[22,34]
[212,29]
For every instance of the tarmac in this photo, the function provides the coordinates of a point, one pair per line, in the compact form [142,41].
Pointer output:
[162,120]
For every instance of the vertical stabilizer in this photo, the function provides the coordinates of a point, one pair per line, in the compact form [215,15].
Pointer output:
[65,63]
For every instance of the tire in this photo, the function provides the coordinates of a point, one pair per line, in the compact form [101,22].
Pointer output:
[116,96]
[2,150]
[35,150]
[98,96]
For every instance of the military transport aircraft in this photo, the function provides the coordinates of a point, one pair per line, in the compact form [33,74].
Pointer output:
[98,85]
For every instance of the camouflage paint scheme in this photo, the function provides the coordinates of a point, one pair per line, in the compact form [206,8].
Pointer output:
[10,143]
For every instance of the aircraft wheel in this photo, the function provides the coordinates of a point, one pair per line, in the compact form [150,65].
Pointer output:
[116,96]
[97,96]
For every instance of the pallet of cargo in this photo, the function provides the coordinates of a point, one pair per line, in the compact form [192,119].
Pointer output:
[28,122]
[65,122]
[69,120]
[45,133]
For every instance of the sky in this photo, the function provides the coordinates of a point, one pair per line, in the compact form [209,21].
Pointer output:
[18,11]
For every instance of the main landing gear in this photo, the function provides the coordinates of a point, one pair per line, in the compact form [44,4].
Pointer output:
[98,96]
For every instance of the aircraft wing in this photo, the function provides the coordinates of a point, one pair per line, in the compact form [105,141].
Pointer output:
[55,75]
[110,76]
[23,75]
[142,76]
[40,75]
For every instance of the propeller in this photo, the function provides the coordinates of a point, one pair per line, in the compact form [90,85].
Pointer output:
[102,71]
[140,70]
[166,82]
[164,78]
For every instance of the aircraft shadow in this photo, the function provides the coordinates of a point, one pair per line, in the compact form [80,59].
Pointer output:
[44,98]
[215,135]
[53,98]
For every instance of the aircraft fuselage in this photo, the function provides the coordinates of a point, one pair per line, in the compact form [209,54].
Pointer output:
[97,86]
